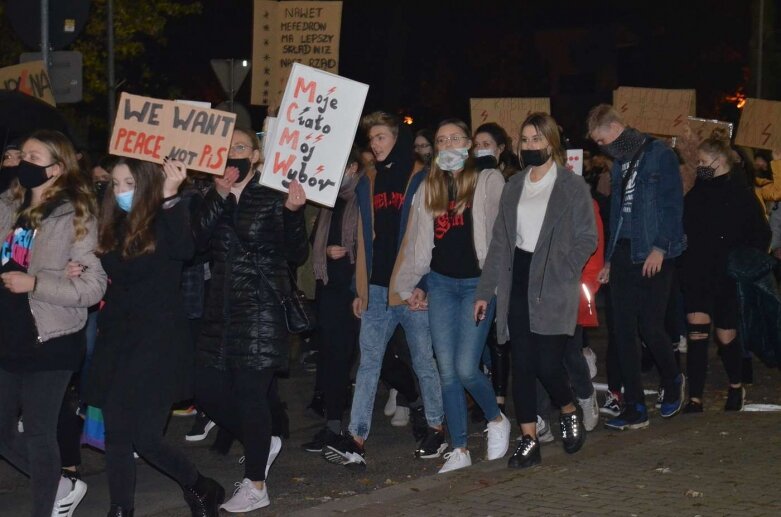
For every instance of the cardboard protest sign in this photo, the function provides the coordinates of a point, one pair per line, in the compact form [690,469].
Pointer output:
[314,133]
[152,129]
[507,112]
[655,110]
[704,127]
[575,161]
[760,124]
[291,32]
[29,78]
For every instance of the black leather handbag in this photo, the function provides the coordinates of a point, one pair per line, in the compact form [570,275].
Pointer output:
[297,308]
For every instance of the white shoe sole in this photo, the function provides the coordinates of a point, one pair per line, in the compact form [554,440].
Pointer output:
[347,459]
[198,437]
[442,448]
[451,469]
[244,509]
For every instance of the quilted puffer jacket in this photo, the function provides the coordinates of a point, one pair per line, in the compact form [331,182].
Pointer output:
[243,325]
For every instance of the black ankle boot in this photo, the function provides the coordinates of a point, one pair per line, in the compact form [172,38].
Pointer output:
[204,497]
[118,511]
[527,453]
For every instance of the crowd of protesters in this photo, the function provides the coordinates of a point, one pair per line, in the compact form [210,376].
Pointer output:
[132,286]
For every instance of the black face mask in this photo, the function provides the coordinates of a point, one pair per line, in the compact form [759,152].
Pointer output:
[625,145]
[486,162]
[534,158]
[706,172]
[242,164]
[31,175]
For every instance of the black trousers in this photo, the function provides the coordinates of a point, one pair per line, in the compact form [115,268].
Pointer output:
[69,427]
[533,355]
[238,400]
[500,362]
[35,452]
[396,369]
[640,303]
[338,342]
[140,429]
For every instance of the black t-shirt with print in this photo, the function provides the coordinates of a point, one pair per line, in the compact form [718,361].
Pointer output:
[454,250]
[389,188]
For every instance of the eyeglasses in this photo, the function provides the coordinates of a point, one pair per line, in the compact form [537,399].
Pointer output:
[240,148]
[421,146]
[456,139]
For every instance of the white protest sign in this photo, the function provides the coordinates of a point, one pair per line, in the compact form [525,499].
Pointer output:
[575,161]
[314,133]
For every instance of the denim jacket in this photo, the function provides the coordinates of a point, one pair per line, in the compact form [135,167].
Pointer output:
[657,206]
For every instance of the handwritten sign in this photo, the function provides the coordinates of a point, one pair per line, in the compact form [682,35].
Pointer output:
[291,32]
[507,112]
[575,161]
[704,127]
[314,133]
[760,124]
[29,78]
[152,129]
[655,110]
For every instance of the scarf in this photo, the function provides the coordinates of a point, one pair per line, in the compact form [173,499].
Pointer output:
[349,228]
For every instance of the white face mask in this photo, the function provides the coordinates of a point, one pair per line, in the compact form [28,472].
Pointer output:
[452,159]
[480,153]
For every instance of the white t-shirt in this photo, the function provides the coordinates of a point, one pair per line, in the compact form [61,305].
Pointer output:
[532,208]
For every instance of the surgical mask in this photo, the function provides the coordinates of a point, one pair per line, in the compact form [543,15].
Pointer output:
[242,164]
[125,200]
[480,153]
[706,172]
[452,159]
[535,157]
[625,145]
[31,175]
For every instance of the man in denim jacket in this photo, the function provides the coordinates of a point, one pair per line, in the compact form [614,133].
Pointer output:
[646,231]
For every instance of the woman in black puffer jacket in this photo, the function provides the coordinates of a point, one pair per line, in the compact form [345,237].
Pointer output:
[248,228]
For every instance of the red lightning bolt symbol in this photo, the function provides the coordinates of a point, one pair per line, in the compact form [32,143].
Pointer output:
[624,108]
[332,90]
[319,137]
[319,169]
[677,120]
[484,114]
[767,134]
[308,136]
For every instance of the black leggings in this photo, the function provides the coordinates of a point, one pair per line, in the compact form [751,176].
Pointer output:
[533,355]
[238,400]
[140,429]
[500,362]
[69,427]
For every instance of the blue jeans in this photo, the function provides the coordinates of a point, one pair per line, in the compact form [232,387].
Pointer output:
[458,344]
[377,325]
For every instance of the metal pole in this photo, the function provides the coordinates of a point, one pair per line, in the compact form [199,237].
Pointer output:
[232,88]
[112,90]
[760,47]
[45,34]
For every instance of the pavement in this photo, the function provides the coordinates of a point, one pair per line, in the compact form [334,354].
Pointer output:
[708,464]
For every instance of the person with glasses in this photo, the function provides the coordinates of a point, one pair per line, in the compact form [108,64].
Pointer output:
[252,233]
[384,203]
[424,147]
[543,236]
[452,218]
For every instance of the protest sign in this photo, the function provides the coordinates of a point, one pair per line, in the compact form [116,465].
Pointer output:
[760,124]
[704,127]
[29,78]
[507,112]
[575,161]
[291,32]
[655,110]
[314,133]
[152,129]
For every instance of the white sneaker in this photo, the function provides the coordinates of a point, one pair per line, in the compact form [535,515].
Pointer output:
[456,460]
[590,411]
[544,434]
[65,506]
[400,417]
[20,425]
[273,452]
[591,359]
[498,439]
[390,406]
[246,498]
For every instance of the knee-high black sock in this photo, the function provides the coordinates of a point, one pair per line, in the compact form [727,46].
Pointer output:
[731,355]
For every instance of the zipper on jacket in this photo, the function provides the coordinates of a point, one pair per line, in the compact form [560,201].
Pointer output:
[29,297]
[544,267]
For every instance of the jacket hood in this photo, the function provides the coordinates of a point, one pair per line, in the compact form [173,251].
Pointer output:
[401,157]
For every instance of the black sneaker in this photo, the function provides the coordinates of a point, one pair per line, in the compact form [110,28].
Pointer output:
[432,446]
[419,423]
[316,408]
[736,397]
[527,453]
[573,434]
[692,407]
[323,438]
[200,429]
[345,452]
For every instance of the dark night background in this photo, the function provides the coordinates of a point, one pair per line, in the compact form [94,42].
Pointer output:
[426,59]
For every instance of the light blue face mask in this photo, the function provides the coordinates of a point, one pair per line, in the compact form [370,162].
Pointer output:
[125,200]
